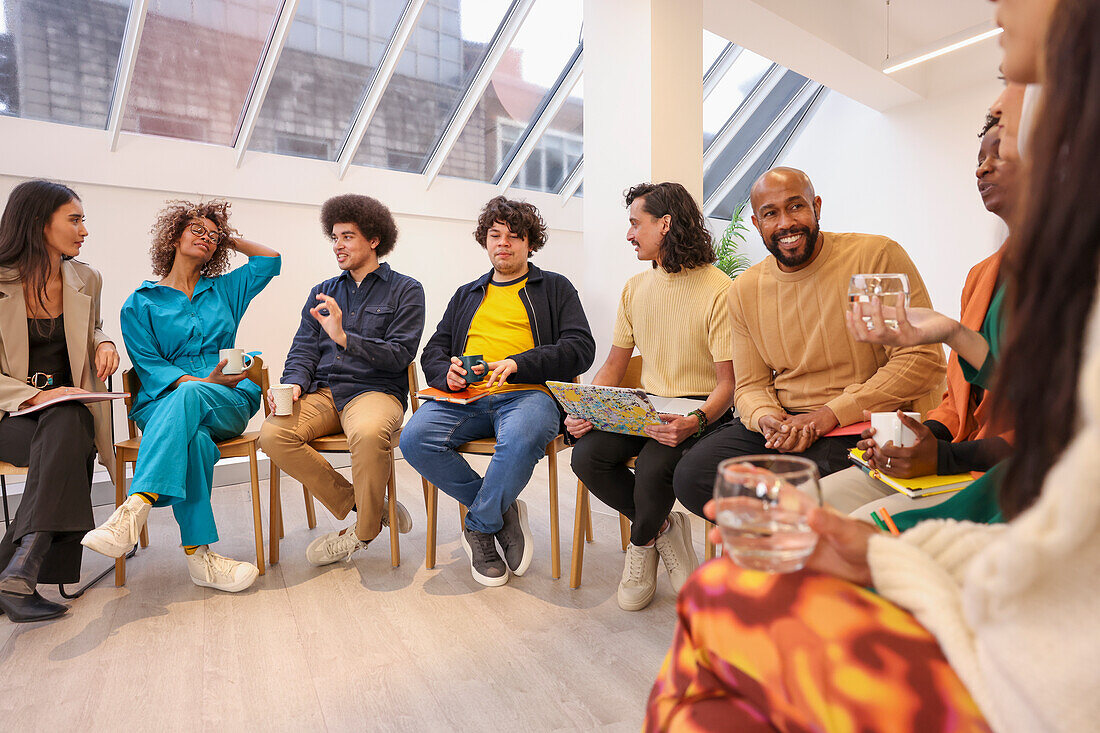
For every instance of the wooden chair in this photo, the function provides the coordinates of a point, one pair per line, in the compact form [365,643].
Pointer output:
[338,443]
[487,447]
[126,451]
[632,378]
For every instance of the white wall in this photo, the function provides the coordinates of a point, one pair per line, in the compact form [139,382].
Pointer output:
[907,174]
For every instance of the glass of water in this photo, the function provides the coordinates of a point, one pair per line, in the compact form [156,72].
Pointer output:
[763,506]
[892,290]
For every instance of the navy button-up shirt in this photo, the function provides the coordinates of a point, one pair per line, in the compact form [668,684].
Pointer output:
[384,319]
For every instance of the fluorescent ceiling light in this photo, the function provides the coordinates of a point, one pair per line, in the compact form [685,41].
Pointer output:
[965,38]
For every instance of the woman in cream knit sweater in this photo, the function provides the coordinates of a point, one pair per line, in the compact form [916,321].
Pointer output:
[973,627]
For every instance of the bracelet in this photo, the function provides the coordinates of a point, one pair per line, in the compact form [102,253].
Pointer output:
[702,421]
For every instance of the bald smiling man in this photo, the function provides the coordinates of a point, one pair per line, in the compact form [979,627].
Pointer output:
[799,373]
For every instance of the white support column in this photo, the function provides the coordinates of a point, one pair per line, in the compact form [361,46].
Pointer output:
[135,23]
[643,121]
[378,85]
[263,78]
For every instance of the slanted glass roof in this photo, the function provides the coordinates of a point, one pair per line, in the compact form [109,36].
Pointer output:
[518,91]
[447,47]
[332,51]
[486,90]
[58,58]
[195,64]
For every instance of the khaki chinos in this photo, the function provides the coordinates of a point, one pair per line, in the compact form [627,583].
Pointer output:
[369,421]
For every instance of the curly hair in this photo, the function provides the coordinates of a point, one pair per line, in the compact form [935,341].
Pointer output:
[371,216]
[170,224]
[688,243]
[520,217]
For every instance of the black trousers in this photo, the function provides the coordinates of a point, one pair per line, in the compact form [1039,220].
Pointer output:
[693,481]
[643,495]
[57,445]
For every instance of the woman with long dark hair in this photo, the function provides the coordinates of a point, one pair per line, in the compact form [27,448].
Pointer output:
[973,626]
[51,344]
[174,328]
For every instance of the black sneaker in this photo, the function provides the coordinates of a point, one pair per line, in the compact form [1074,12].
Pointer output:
[485,564]
[515,538]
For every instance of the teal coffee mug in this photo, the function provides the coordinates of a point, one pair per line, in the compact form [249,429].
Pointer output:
[468,363]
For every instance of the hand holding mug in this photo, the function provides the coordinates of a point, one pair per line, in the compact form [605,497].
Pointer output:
[218,376]
[276,398]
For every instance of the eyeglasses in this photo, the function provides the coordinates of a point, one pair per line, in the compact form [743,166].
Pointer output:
[211,235]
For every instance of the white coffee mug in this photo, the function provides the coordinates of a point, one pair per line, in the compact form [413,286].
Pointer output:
[889,428]
[236,360]
[283,397]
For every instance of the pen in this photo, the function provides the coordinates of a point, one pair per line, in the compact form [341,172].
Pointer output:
[889,521]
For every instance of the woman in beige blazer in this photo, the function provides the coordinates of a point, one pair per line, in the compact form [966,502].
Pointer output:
[51,343]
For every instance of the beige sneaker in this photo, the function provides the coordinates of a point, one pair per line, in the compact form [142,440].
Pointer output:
[116,536]
[329,548]
[211,570]
[639,581]
[676,550]
[404,519]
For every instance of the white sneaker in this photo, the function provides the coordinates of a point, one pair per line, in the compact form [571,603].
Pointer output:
[211,570]
[116,536]
[329,548]
[639,581]
[676,550]
[404,519]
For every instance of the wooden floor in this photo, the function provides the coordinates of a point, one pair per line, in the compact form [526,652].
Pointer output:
[358,646]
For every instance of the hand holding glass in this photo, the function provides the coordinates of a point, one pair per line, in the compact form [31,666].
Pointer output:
[892,290]
[762,508]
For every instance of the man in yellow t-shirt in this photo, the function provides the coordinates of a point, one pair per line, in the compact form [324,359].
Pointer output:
[529,326]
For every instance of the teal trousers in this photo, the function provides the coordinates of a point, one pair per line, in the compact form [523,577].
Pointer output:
[178,450]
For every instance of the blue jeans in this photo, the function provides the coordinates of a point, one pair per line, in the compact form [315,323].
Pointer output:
[523,423]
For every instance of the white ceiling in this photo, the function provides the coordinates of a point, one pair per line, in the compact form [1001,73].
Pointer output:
[842,43]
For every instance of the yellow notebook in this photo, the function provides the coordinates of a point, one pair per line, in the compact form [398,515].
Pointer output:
[914,487]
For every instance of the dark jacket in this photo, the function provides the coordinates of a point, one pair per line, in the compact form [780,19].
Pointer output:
[564,347]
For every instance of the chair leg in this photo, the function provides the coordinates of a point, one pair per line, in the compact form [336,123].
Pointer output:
[624,530]
[4,490]
[274,510]
[589,533]
[257,516]
[576,561]
[462,510]
[710,552]
[120,496]
[555,530]
[311,515]
[431,495]
[395,547]
[143,536]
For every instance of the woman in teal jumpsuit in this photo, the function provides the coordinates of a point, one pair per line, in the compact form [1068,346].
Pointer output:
[173,329]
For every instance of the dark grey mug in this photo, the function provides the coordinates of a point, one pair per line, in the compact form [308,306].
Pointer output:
[471,361]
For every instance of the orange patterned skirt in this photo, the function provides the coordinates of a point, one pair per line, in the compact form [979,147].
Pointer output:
[801,652]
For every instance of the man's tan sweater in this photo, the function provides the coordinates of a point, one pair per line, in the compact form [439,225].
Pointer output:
[792,351]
